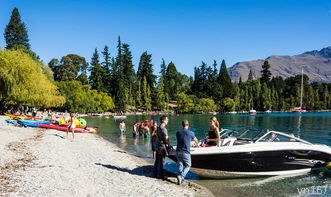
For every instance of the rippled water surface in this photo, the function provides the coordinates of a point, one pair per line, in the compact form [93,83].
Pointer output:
[313,127]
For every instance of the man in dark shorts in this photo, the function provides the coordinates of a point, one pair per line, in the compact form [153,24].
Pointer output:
[184,138]
[162,142]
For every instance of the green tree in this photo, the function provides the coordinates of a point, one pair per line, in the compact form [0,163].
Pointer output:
[71,67]
[225,81]
[185,103]
[266,74]
[228,104]
[147,95]
[160,95]
[129,77]
[97,73]
[106,65]
[265,97]
[15,32]
[83,99]
[250,75]
[145,69]
[206,105]
[163,69]
[172,80]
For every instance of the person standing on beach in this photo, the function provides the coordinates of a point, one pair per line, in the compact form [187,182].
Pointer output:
[71,126]
[184,138]
[162,143]
[153,139]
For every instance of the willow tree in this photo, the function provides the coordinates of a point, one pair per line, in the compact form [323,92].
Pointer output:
[23,81]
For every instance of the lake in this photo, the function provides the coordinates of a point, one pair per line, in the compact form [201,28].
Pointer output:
[313,127]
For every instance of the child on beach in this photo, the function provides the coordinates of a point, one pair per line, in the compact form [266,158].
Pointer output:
[71,126]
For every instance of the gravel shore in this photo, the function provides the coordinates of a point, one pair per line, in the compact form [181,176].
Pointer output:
[40,162]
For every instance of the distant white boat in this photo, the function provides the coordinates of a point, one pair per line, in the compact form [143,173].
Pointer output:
[268,111]
[252,111]
[232,112]
[119,117]
[96,114]
[299,109]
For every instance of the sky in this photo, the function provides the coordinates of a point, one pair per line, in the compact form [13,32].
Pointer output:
[185,32]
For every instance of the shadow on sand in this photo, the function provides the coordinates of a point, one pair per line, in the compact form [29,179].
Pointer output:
[147,171]
[59,136]
[141,171]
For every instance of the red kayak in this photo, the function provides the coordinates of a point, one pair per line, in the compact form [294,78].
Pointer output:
[63,128]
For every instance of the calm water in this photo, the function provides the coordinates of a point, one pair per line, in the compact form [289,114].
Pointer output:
[313,127]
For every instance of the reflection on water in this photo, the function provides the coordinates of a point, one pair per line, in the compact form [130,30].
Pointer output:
[313,127]
[270,186]
[122,141]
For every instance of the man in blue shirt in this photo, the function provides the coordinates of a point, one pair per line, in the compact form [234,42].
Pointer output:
[184,138]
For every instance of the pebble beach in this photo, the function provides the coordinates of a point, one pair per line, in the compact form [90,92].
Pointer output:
[42,162]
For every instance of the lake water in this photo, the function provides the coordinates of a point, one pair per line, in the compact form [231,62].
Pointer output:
[313,127]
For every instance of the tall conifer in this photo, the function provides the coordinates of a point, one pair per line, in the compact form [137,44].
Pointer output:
[225,80]
[266,74]
[16,34]
[96,72]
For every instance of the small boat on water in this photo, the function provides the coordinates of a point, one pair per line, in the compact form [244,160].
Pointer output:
[252,111]
[299,110]
[97,114]
[268,112]
[258,153]
[119,117]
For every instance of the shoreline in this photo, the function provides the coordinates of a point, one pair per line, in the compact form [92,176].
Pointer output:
[39,162]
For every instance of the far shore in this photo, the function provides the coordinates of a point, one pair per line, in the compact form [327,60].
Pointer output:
[40,162]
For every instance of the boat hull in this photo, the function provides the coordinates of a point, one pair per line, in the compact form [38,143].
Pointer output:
[257,163]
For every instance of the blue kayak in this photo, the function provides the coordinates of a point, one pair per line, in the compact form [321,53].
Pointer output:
[32,123]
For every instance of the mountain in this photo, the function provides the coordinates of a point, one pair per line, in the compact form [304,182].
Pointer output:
[315,64]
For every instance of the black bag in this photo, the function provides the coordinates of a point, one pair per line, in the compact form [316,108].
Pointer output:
[164,149]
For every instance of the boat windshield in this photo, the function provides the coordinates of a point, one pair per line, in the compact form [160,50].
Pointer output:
[249,134]
[224,133]
[255,135]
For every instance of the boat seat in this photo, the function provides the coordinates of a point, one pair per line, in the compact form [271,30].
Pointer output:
[228,141]
[241,142]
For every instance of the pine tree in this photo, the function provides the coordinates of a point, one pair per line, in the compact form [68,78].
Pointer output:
[128,65]
[16,34]
[96,72]
[129,77]
[172,79]
[145,69]
[250,76]
[225,80]
[266,74]
[163,68]
[161,98]
[107,79]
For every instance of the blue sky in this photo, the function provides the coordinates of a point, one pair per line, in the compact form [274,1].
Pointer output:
[183,31]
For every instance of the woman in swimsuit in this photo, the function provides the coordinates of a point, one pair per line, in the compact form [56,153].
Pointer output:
[213,137]
[71,126]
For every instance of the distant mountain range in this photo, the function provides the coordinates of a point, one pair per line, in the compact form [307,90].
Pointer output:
[315,64]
